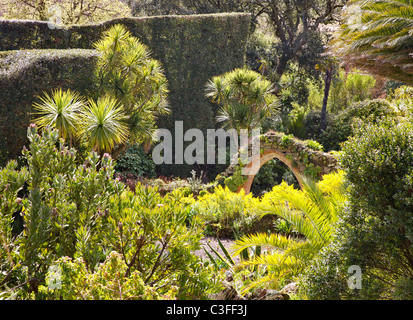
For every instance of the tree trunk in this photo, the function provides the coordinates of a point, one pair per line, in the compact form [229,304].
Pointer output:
[282,64]
[327,81]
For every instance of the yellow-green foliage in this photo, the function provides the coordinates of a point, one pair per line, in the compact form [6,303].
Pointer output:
[69,279]
[226,212]
[331,182]
[312,212]
[66,11]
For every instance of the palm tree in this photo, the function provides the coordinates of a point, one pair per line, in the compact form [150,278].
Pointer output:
[103,124]
[376,36]
[312,212]
[59,110]
[245,97]
[128,74]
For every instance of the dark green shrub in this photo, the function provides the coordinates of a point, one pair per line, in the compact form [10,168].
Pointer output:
[376,231]
[270,174]
[136,162]
[340,126]
[26,74]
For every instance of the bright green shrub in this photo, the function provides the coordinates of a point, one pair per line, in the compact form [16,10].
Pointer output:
[236,180]
[152,234]
[79,213]
[76,282]
[225,212]
[348,88]
[376,230]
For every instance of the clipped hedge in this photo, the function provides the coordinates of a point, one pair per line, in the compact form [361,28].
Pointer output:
[25,74]
[192,49]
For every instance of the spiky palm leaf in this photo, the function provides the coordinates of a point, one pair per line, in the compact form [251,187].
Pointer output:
[128,74]
[245,98]
[376,37]
[59,110]
[311,212]
[103,124]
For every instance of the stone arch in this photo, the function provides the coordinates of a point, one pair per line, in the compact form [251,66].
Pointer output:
[301,157]
[264,158]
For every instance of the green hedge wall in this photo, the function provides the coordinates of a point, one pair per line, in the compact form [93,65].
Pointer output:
[25,74]
[192,49]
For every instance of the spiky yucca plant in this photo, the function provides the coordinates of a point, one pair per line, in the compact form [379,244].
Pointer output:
[132,93]
[128,74]
[312,212]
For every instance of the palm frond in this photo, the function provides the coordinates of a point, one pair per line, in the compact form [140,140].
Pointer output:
[103,124]
[59,110]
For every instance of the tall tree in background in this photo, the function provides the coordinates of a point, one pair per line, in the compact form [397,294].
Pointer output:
[295,22]
[375,36]
[66,11]
[328,66]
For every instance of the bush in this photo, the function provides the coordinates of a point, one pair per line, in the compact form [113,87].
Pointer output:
[225,213]
[270,174]
[376,231]
[340,126]
[24,75]
[136,162]
[77,217]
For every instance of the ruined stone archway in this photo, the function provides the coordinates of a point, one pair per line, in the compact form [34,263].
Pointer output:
[301,157]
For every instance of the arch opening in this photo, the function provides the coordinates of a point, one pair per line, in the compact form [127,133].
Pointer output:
[263,159]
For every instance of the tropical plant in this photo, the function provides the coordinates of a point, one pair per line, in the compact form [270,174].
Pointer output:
[59,110]
[131,95]
[103,124]
[127,73]
[312,213]
[376,37]
[245,97]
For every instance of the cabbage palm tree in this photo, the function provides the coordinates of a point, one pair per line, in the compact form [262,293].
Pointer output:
[132,94]
[128,74]
[59,110]
[103,124]
[311,212]
[245,97]
[376,36]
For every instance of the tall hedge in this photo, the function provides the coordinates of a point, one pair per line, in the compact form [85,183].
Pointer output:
[25,74]
[191,48]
